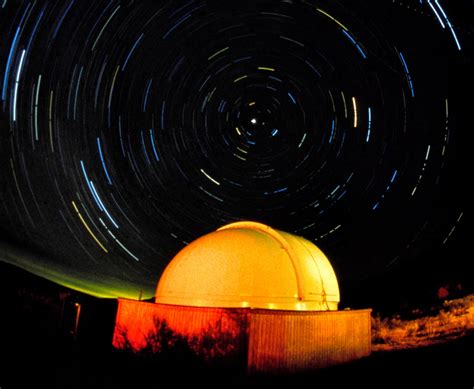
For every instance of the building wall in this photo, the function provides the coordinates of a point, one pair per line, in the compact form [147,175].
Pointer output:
[136,320]
[284,341]
[270,341]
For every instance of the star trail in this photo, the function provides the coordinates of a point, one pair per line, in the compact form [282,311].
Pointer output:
[130,128]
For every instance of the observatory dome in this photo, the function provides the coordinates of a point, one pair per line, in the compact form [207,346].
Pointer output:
[250,265]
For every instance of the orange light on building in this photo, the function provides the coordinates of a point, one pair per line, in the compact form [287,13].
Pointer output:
[275,293]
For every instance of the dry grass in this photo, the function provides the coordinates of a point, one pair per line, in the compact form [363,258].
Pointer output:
[452,320]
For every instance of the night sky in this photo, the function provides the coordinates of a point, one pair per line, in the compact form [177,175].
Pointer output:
[130,128]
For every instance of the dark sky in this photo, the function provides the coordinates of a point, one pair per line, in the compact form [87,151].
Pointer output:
[130,128]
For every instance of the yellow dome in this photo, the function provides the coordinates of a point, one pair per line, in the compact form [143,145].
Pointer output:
[249,264]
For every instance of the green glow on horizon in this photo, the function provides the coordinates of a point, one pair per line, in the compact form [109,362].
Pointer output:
[108,287]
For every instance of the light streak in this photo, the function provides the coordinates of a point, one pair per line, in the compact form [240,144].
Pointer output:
[105,26]
[332,18]
[354,106]
[292,98]
[369,126]
[132,50]
[17,83]
[36,107]
[240,78]
[410,83]
[210,178]
[88,228]
[217,53]
[103,162]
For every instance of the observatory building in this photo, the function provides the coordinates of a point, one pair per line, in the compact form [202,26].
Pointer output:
[247,291]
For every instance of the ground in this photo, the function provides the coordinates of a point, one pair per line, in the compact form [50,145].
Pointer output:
[69,366]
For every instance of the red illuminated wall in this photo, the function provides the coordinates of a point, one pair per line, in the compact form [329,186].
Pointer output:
[135,320]
[284,341]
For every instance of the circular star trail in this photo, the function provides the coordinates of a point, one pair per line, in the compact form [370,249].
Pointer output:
[131,128]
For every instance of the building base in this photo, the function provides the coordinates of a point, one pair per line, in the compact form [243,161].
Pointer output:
[266,341]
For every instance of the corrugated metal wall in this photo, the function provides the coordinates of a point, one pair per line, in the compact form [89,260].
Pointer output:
[277,341]
[283,341]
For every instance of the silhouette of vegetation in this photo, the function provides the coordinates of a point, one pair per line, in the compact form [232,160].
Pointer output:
[223,345]
[220,346]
